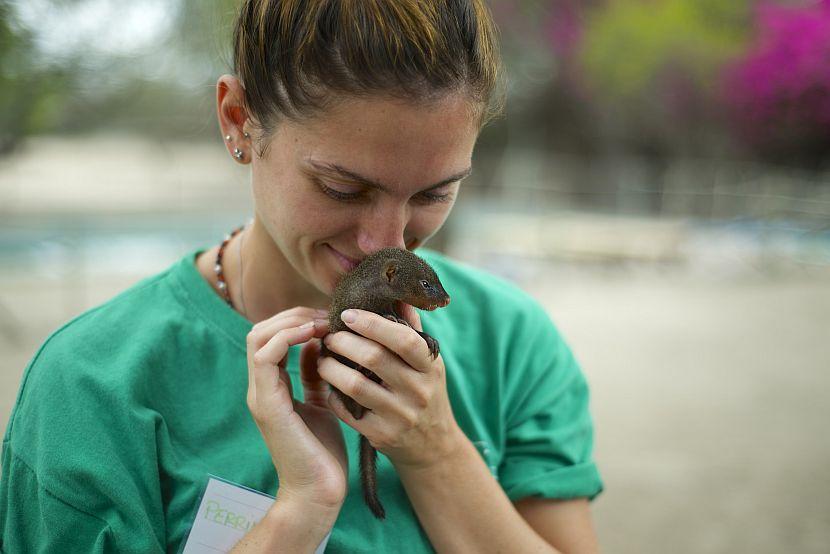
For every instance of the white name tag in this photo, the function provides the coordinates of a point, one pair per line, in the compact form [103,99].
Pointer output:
[226,513]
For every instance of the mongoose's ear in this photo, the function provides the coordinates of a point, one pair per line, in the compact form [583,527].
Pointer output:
[390,269]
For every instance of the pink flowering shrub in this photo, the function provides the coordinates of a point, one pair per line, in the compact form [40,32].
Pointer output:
[780,89]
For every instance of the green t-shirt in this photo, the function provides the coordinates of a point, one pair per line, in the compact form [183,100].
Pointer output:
[124,412]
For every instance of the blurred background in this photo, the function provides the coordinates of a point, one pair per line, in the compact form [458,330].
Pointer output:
[660,184]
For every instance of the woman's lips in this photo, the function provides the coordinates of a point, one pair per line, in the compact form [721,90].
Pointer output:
[345,262]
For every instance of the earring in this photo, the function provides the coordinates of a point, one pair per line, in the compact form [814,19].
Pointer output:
[238,154]
[228,138]
[246,134]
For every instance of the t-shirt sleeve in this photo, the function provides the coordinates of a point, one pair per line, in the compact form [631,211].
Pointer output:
[549,431]
[34,520]
[79,459]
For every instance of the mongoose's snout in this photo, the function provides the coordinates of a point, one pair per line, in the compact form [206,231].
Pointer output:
[435,297]
[440,303]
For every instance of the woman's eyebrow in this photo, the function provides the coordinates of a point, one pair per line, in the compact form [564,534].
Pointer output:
[360,179]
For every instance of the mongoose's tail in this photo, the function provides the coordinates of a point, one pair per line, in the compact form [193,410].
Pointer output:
[368,476]
[368,455]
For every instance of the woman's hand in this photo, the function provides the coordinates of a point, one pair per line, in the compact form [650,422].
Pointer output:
[411,420]
[304,438]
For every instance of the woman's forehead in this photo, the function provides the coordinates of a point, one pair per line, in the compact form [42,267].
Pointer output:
[367,116]
[388,140]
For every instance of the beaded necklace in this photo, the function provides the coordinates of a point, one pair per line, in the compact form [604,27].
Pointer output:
[220,277]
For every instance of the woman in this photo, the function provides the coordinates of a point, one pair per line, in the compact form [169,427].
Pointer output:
[358,120]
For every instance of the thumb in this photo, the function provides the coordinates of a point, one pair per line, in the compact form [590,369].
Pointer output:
[315,388]
[411,315]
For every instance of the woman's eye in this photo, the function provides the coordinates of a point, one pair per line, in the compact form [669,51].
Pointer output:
[338,194]
[442,194]
[346,193]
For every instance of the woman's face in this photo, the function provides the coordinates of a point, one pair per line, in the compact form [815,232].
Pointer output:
[367,174]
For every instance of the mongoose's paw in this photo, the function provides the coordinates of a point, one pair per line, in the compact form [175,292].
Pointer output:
[432,344]
[397,319]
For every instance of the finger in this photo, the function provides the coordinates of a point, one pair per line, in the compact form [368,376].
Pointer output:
[342,412]
[298,311]
[355,385]
[321,328]
[303,311]
[264,330]
[267,358]
[262,333]
[370,354]
[315,388]
[409,313]
[400,339]
[272,386]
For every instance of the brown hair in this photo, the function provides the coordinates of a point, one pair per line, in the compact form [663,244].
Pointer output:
[290,55]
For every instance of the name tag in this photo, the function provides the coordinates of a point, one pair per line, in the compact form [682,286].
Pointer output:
[226,513]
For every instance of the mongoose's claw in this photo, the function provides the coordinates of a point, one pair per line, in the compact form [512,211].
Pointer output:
[397,319]
[432,344]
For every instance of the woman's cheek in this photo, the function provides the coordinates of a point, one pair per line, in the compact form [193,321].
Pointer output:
[426,223]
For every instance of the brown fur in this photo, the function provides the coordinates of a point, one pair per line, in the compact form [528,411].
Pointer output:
[380,284]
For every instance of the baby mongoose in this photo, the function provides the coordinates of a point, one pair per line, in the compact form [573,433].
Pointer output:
[381,283]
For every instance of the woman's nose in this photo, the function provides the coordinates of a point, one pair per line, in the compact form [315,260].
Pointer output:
[385,228]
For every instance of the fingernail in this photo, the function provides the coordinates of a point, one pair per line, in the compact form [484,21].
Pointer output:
[307,325]
[322,313]
[349,316]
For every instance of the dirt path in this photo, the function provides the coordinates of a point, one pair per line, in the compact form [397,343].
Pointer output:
[711,403]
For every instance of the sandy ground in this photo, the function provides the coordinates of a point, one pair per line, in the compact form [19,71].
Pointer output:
[709,397]
[710,401]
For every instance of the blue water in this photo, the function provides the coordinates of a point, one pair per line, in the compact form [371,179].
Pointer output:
[112,245]
[142,244]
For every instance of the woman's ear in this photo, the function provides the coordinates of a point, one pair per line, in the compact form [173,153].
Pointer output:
[230,109]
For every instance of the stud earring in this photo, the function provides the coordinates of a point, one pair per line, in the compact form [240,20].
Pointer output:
[228,138]
[246,134]
[238,154]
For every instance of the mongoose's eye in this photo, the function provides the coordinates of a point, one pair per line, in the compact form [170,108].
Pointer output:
[425,284]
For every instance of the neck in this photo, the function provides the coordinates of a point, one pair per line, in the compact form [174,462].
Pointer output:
[271,284]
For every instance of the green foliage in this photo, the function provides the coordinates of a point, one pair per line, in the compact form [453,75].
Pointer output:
[165,88]
[203,31]
[629,42]
[19,85]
